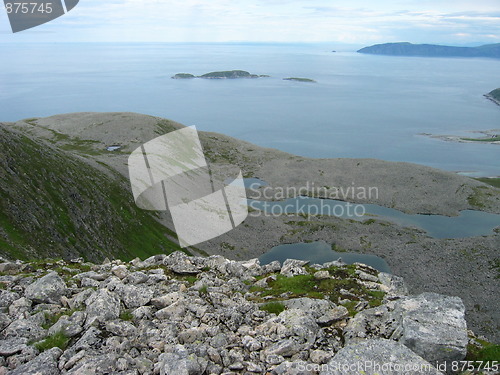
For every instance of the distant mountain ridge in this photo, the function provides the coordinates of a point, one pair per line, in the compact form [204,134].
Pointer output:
[432,50]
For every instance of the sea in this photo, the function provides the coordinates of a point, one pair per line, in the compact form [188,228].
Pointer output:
[361,106]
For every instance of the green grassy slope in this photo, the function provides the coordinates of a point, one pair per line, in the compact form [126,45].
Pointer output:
[54,205]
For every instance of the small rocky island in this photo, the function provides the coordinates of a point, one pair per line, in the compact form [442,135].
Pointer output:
[494,96]
[225,74]
[298,79]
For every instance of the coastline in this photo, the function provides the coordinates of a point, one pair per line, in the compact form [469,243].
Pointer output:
[496,101]
[428,264]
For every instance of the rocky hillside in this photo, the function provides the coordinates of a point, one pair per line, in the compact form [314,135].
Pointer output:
[53,204]
[209,315]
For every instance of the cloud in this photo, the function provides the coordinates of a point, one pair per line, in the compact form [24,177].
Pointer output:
[354,21]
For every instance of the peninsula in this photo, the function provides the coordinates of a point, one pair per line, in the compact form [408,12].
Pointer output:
[494,96]
[432,50]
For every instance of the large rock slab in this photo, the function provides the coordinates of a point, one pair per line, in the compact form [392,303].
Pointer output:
[434,326]
[47,289]
[375,357]
[430,324]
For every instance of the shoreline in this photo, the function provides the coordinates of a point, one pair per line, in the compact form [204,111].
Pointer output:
[450,266]
[489,97]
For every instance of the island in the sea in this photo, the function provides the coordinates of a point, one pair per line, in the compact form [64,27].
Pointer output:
[225,74]
[298,79]
[432,50]
[494,96]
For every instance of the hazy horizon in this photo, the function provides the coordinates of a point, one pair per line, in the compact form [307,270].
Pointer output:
[357,23]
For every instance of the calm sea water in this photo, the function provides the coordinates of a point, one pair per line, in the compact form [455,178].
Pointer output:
[362,106]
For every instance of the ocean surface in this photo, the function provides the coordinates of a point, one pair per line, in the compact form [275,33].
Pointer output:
[361,106]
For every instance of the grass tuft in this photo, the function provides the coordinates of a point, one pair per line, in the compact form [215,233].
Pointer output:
[273,307]
[57,340]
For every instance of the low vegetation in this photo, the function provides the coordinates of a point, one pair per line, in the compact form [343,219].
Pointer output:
[273,307]
[482,353]
[490,181]
[56,340]
[344,278]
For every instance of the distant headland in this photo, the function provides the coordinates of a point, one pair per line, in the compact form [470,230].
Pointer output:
[225,74]
[494,96]
[432,50]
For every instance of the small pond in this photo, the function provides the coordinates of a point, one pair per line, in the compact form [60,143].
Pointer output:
[468,224]
[320,252]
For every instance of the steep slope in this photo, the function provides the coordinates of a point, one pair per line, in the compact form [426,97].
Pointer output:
[54,205]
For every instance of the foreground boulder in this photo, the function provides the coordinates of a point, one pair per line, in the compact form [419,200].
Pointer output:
[434,326]
[430,324]
[47,289]
[375,357]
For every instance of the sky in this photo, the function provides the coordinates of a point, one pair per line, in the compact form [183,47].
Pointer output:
[357,22]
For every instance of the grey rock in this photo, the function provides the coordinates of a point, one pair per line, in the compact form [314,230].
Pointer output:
[28,328]
[293,267]
[377,322]
[434,326]
[7,297]
[69,325]
[322,275]
[121,328]
[47,289]
[172,312]
[366,276]
[285,348]
[393,285]
[293,368]
[316,307]
[19,307]
[320,356]
[274,266]
[79,299]
[134,296]
[12,346]
[102,305]
[72,361]
[98,365]
[333,315]
[137,278]
[181,264]
[5,320]
[87,282]
[91,275]
[44,364]
[378,356]
[120,271]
